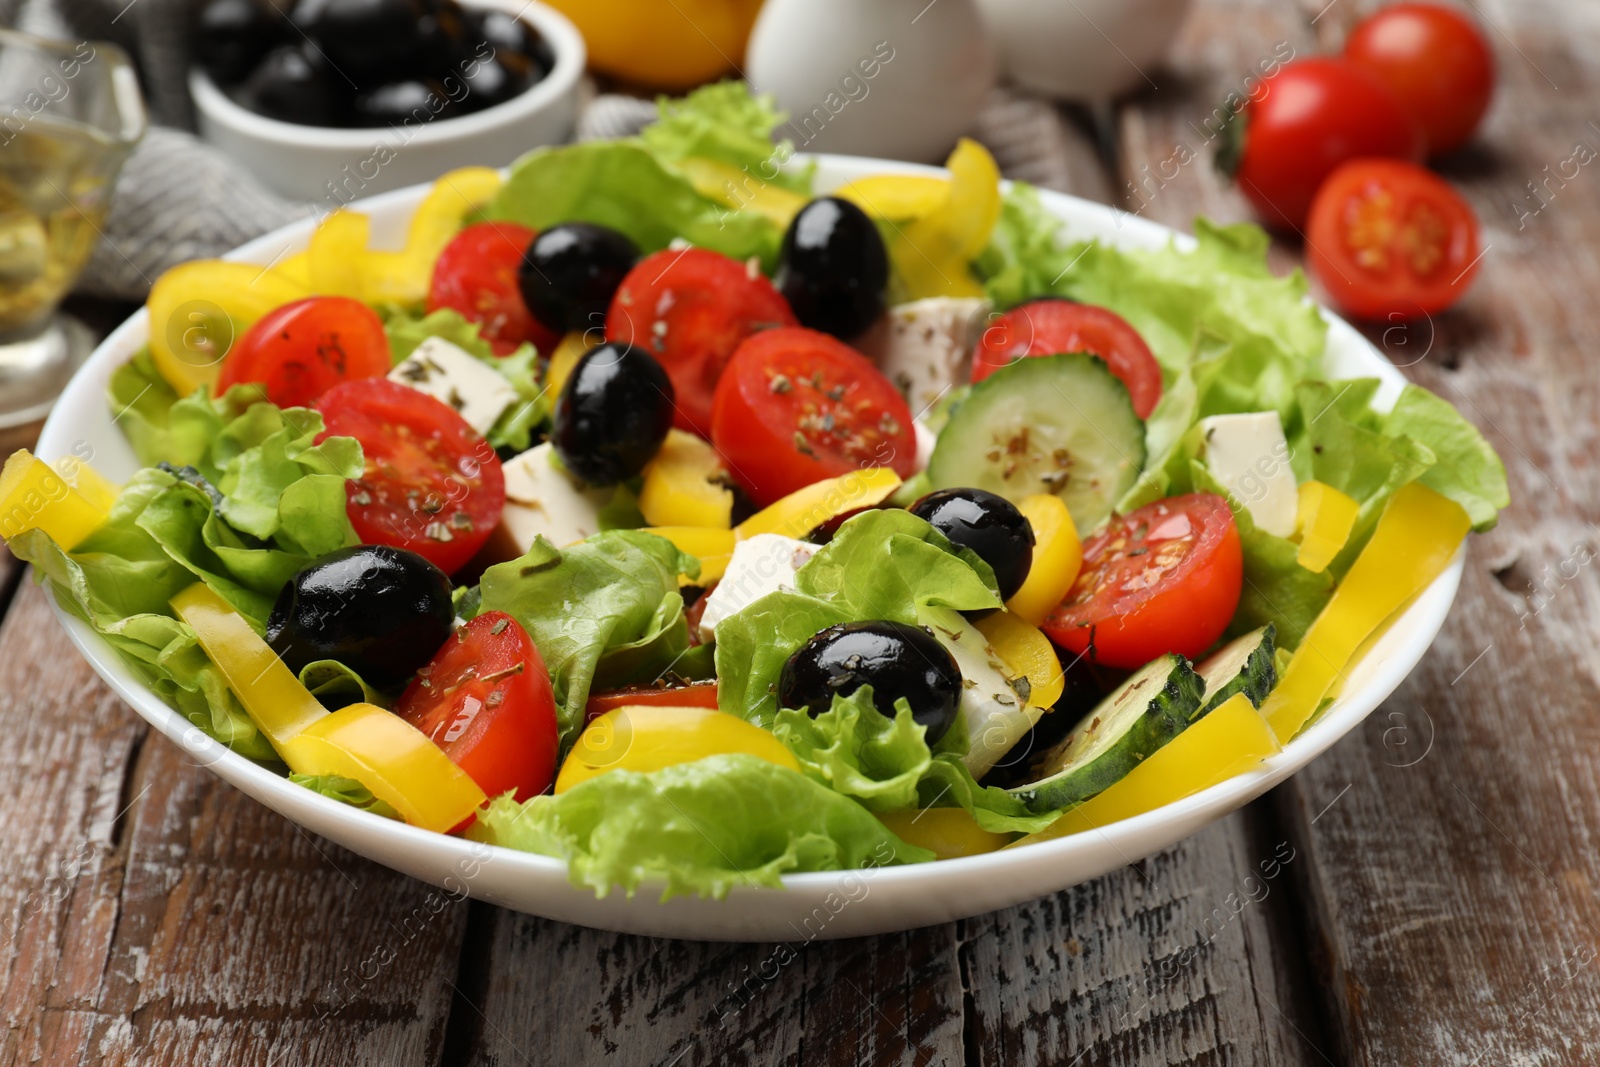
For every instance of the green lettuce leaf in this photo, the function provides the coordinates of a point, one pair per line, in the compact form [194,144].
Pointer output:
[701,828]
[515,427]
[345,791]
[727,123]
[604,612]
[1467,469]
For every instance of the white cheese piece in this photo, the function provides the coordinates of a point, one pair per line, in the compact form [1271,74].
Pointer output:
[926,439]
[763,564]
[994,700]
[452,375]
[1249,455]
[542,499]
[930,346]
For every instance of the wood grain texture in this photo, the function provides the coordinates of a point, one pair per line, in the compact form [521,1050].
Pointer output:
[155,915]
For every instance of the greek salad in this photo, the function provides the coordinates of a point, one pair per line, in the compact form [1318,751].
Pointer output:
[653,510]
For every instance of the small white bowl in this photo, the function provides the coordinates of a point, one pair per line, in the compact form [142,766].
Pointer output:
[337,165]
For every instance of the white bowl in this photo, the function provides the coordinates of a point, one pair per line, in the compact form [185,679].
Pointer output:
[882,900]
[1088,50]
[335,166]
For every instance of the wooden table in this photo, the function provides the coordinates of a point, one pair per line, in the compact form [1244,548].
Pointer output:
[1435,893]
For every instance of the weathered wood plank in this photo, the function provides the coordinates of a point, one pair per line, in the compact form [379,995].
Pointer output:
[155,915]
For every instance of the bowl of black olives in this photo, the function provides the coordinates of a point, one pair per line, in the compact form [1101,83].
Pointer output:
[337,99]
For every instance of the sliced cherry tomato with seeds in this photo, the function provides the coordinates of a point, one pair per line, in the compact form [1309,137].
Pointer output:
[796,406]
[1048,327]
[1389,240]
[431,484]
[690,308]
[1163,578]
[693,695]
[476,274]
[485,700]
[303,349]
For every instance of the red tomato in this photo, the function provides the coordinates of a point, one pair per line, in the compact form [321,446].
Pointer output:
[476,274]
[485,699]
[796,406]
[1309,117]
[693,695]
[1046,327]
[690,308]
[1436,62]
[303,349]
[1164,578]
[431,484]
[1391,240]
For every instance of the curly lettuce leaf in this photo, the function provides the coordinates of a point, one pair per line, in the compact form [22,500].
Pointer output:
[1467,469]
[727,123]
[345,791]
[701,828]
[604,612]
[516,425]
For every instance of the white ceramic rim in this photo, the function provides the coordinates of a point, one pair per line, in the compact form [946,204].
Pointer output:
[1403,646]
[566,43]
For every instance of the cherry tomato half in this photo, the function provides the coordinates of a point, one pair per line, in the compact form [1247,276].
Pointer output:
[1436,62]
[796,406]
[1309,117]
[1046,327]
[303,349]
[1389,240]
[476,274]
[1164,578]
[431,484]
[485,699]
[690,308]
[693,695]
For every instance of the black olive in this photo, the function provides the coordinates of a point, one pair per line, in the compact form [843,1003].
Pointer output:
[443,32]
[294,84]
[381,611]
[415,99]
[988,524]
[613,413]
[497,79]
[503,32]
[833,268]
[570,272]
[366,40]
[896,660]
[231,36]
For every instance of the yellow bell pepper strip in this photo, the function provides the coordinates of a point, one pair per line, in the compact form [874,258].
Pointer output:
[562,360]
[646,738]
[896,197]
[1028,652]
[398,763]
[199,309]
[683,485]
[35,497]
[712,547]
[295,269]
[404,277]
[805,509]
[271,694]
[740,190]
[1324,521]
[1057,558]
[93,486]
[337,255]
[1231,739]
[1415,539]
[949,833]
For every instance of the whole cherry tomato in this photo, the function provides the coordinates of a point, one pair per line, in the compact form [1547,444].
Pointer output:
[1436,62]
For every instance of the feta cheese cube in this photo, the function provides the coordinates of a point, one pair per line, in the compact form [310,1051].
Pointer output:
[930,346]
[1249,455]
[763,564]
[450,374]
[543,499]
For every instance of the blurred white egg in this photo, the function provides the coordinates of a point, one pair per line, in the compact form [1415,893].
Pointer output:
[1089,50]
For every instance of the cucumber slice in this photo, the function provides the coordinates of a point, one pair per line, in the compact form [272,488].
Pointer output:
[1243,665]
[1148,710]
[1047,424]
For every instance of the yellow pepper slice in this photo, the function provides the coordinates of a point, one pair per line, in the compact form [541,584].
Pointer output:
[683,485]
[393,759]
[1414,541]
[271,694]
[295,269]
[404,277]
[199,309]
[562,360]
[805,509]
[337,255]
[1231,739]
[643,738]
[93,486]
[948,832]
[931,255]
[896,197]
[741,190]
[1324,521]
[1028,652]
[1057,557]
[35,497]
[712,547]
